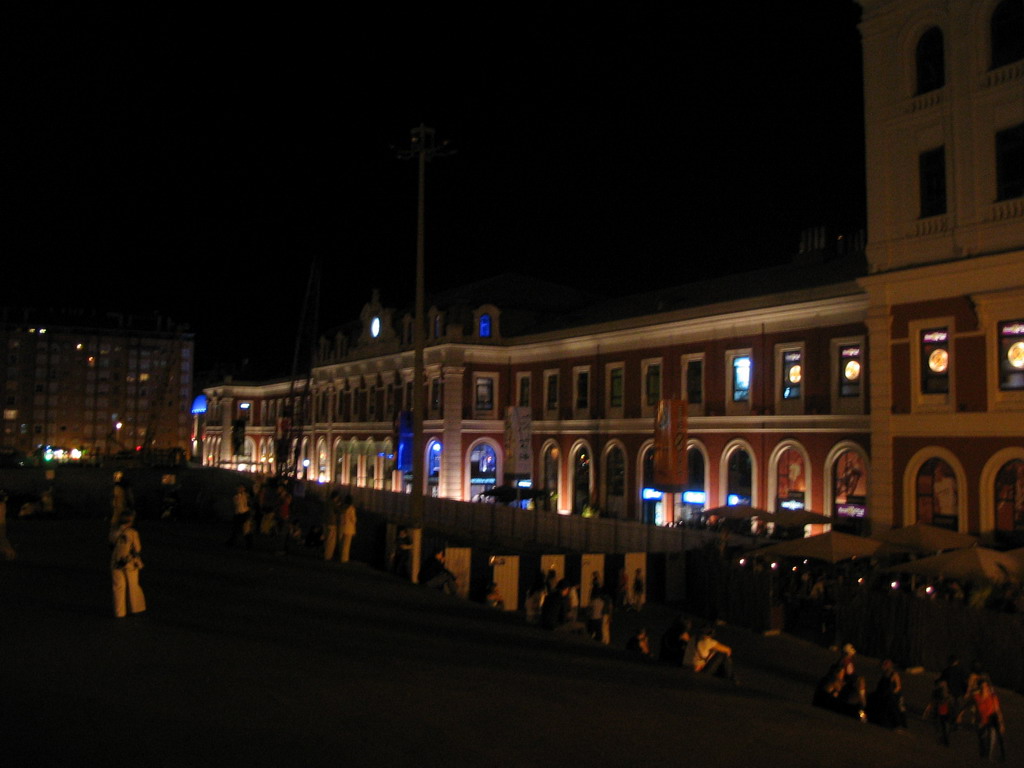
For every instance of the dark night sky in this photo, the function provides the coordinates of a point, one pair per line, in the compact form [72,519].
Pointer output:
[195,165]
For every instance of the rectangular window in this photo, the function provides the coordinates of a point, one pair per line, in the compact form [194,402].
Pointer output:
[934,361]
[484,393]
[435,394]
[551,393]
[652,384]
[524,390]
[741,372]
[1011,356]
[1010,163]
[695,382]
[615,388]
[932,176]
[850,367]
[582,390]
[792,373]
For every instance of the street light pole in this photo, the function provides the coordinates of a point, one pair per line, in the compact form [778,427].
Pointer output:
[423,148]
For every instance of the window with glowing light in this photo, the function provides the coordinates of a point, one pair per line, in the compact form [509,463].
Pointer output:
[935,361]
[1011,355]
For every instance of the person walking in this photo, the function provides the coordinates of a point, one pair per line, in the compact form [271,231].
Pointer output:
[639,593]
[989,721]
[125,564]
[241,521]
[348,527]
[332,524]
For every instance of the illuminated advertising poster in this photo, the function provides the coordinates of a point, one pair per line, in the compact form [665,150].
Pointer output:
[518,441]
[670,446]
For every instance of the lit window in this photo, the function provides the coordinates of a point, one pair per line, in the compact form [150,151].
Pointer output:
[1011,355]
[485,326]
[792,374]
[741,378]
[935,361]
[484,393]
[850,370]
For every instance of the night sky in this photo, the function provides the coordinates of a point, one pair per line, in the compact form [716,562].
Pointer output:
[198,165]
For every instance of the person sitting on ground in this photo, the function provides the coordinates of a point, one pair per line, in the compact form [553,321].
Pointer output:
[712,657]
[494,598]
[674,641]
[842,689]
[554,613]
[639,644]
[435,575]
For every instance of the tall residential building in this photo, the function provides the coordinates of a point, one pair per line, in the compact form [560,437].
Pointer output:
[93,385]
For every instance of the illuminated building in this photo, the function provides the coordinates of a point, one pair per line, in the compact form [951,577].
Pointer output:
[78,387]
[881,387]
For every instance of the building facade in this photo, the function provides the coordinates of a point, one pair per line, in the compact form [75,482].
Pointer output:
[881,387]
[944,106]
[83,387]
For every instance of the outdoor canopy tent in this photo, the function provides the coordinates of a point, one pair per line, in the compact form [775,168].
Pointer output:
[831,547]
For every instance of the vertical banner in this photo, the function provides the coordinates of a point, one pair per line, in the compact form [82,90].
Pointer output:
[670,446]
[518,442]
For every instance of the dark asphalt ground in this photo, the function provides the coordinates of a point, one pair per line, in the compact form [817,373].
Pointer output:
[251,659]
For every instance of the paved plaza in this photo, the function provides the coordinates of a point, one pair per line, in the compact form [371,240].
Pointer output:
[254,659]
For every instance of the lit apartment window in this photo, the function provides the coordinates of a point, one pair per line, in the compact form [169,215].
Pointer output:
[615,387]
[485,326]
[850,369]
[932,177]
[935,361]
[741,372]
[1011,355]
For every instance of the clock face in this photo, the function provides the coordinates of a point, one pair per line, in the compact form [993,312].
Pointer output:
[1015,354]
[375,327]
[938,360]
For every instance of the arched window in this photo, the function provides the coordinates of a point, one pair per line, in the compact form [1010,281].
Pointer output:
[549,468]
[652,502]
[1009,497]
[849,486]
[937,495]
[931,61]
[485,326]
[580,480]
[695,497]
[1007,33]
[615,482]
[434,451]
[739,485]
[790,479]
[483,470]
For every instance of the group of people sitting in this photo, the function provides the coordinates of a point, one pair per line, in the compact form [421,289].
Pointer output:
[700,651]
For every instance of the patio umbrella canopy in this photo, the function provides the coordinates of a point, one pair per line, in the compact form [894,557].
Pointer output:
[922,538]
[831,547]
[784,517]
[972,564]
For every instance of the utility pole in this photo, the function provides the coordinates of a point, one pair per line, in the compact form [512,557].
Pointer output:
[423,147]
